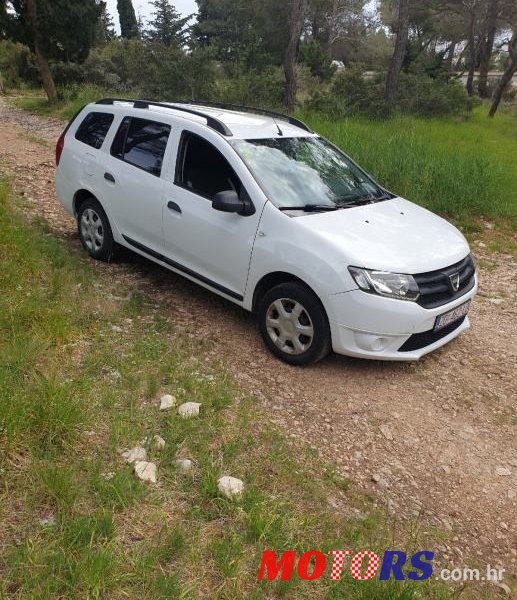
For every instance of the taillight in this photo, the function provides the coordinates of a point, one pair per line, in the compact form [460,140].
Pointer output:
[59,147]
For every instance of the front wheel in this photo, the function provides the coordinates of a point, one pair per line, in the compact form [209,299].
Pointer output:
[294,325]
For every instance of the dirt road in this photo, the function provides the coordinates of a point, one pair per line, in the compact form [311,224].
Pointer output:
[437,436]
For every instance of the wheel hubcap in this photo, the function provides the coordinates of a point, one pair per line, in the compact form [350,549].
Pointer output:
[92,231]
[289,326]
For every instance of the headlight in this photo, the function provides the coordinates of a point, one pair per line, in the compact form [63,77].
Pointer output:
[383,283]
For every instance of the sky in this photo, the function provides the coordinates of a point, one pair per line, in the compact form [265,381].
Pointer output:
[144,8]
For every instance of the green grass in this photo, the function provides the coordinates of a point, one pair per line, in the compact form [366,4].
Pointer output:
[75,522]
[466,170]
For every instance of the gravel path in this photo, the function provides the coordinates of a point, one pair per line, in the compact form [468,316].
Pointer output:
[437,437]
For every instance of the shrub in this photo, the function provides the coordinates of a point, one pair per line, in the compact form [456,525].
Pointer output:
[318,60]
[352,94]
[16,65]
[253,88]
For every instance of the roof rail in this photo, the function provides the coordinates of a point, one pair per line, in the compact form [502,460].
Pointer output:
[212,122]
[250,109]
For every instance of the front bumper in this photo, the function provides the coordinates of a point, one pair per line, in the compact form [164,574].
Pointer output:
[368,326]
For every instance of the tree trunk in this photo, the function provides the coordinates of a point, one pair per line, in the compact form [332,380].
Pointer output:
[472,53]
[487,47]
[296,17]
[46,76]
[2,85]
[509,72]
[397,60]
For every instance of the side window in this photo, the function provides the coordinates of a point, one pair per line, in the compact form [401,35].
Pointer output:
[203,169]
[141,143]
[94,129]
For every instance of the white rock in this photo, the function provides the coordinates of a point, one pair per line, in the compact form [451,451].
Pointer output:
[189,409]
[503,472]
[230,487]
[158,442]
[117,329]
[146,471]
[167,401]
[185,464]
[138,453]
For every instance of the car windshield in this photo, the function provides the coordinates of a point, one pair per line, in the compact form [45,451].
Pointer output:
[306,171]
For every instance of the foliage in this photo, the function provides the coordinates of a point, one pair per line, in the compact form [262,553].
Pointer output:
[318,60]
[16,67]
[250,32]
[167,27]
[352,93]
[57,31]
[251,87]
[127,19]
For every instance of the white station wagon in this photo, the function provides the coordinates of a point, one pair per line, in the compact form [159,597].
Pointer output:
[258,208]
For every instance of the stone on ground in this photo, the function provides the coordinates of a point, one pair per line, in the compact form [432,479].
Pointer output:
[230,487]
[189,409]
[146,471]
[167,401]
[185,464]
[135,454]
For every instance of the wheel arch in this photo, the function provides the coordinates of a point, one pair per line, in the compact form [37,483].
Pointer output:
[273,279]
[80,197]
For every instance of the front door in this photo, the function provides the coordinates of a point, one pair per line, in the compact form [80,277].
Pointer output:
[213,247]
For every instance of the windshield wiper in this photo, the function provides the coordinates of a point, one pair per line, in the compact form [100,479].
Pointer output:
[311,207]
[370,199]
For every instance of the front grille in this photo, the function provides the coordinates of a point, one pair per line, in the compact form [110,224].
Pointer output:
[435,287]
[426,338]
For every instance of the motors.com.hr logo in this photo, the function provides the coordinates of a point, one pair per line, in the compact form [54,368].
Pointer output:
[363,566]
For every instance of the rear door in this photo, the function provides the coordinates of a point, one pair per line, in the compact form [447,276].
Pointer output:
[132,180]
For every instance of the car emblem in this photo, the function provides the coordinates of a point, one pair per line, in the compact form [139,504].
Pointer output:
[455,281]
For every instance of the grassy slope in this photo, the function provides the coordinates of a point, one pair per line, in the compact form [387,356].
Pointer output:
[74,392]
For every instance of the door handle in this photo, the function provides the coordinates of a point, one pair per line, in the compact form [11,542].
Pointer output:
[173,206]
[109,177]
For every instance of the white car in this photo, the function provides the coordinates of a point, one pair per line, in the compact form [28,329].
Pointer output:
[256,207]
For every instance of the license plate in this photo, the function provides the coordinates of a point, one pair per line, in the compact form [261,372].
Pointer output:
[453,315]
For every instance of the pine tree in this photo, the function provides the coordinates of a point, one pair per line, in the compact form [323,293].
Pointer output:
[167,26]
[127,16]
[105,26]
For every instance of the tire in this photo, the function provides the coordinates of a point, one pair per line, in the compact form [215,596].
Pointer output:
[294,325]
[95,231]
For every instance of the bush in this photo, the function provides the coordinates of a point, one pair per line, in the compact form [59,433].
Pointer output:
[427,97]
[16,65]
[253,88]
[352,94]
[318,60]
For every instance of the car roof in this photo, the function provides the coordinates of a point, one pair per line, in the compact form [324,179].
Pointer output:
[238,122]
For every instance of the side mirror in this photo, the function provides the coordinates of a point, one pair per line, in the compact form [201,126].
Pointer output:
[229,201]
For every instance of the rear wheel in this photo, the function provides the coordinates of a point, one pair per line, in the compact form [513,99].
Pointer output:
[94,230]
[294,325]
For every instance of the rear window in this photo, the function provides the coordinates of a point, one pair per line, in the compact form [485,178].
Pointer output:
[94,129]
[141,143]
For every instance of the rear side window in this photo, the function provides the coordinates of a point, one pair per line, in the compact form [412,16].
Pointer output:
[141,143]
[94,129]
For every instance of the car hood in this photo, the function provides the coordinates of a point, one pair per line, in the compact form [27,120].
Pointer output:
[393,235]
